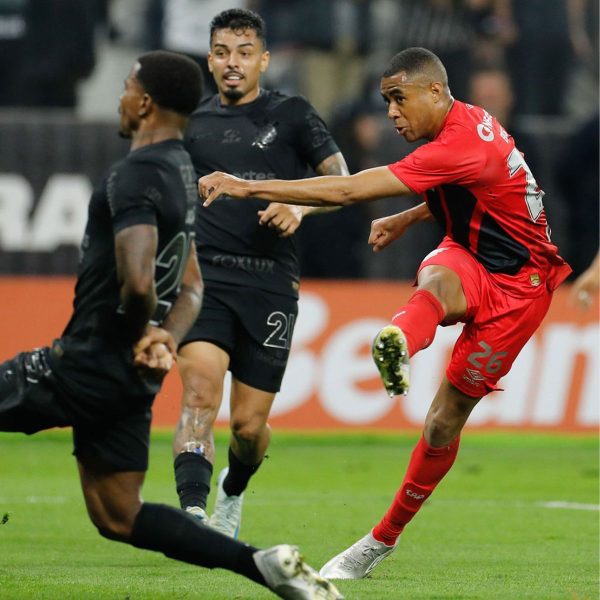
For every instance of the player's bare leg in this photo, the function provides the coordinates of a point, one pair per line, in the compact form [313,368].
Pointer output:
[115,507]
[202,367]
[447,415]
[250,437]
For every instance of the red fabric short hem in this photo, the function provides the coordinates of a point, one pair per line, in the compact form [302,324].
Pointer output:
[497,324]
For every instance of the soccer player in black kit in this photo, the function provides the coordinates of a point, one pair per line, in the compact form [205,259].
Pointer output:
[249,264]
[138,291]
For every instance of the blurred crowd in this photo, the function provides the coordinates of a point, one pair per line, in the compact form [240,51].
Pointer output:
[531,63]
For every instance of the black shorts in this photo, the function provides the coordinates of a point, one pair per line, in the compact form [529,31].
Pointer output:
[253,326]
[116,430]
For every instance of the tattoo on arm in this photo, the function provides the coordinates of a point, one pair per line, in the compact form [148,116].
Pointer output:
[332,165]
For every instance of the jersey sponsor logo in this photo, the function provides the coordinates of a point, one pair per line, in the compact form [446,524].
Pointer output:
[266,136]
[250,264]
[484,129]
[255,175]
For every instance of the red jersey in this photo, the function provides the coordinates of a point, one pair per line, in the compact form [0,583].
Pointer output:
[479,188]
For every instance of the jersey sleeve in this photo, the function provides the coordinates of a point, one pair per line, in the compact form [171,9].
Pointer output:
[133,195]
[455,158]
[314,140]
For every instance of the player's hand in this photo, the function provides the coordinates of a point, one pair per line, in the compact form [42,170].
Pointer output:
[155,352]
[387,229]
[156,360]
[584,289]
[210,187]
[285,218]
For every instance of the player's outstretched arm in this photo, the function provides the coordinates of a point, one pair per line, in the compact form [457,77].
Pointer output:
[332,165]
[286,218]
[388,229]
[330,190]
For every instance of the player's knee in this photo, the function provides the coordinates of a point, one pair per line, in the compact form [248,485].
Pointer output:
[445,423]
[112,527]
[439,432]
[247,429]
[112,516]
[200,392]
[445,285]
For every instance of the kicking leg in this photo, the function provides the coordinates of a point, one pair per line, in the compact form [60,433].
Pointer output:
[439,297]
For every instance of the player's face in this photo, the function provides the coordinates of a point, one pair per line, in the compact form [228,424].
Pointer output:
[131,103]
[236,60]
[412,105]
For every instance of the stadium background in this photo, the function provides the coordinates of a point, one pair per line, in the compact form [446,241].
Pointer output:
[63,61]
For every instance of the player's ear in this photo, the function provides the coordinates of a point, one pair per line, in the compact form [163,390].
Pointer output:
[436,89]
[264,61]
[146,104]
[209,60]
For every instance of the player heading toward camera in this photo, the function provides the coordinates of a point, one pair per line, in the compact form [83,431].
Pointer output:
[249,263]
[495,269]
[138,291]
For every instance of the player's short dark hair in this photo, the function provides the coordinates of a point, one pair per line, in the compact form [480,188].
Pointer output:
[417,61]
[240,19]
[174,81]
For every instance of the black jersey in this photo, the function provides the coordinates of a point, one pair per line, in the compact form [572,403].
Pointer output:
[273,137]
[154,185]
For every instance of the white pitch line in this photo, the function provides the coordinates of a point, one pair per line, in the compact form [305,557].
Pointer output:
[570,505]
[35,500]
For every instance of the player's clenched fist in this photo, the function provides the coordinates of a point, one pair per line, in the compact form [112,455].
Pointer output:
[210,187]
[155,352]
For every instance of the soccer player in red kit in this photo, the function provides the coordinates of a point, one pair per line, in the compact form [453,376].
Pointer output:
[495,270]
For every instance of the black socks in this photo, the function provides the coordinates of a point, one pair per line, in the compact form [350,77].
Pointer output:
[239,475]
[192,477]
[181,536]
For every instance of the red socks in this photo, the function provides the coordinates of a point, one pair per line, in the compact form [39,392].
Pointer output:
[426,469]
[428,465]
[419,320]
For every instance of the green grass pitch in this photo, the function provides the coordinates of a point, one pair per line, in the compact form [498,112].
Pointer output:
[487,532]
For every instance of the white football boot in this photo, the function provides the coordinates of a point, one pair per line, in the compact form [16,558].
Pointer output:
[288,576]
[198,512]
[227,512]
[357,561]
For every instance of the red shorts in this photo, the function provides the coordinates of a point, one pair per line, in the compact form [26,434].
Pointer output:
[497,325]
